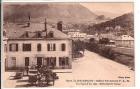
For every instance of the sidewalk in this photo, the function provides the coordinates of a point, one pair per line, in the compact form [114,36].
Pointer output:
[62,70]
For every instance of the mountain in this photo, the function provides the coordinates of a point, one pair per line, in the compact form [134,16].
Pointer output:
[121,25]
[71,12]
[107,14]
[124,21]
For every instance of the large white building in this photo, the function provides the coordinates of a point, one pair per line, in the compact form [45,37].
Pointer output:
[125,41]
[76,35]
[38,46]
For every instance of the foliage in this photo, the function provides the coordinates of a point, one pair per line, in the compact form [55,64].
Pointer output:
[126,22]
[109,52]
[104,41]
[78,46]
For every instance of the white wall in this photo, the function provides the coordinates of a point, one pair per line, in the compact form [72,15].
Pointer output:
[20,55]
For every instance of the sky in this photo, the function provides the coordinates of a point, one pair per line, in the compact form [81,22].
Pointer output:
[110,9]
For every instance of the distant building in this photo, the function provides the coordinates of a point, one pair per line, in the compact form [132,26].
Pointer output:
[93,36]
[70,30]
[110,36]
[125,41]
[35,45]
[77,35]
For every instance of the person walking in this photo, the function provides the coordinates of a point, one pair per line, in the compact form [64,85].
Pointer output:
[27,70]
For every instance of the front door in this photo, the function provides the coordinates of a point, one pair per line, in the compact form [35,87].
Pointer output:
[13,62]
[39,61]
[26,61]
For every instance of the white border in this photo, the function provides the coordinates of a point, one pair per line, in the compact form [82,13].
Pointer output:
[68,0]
[137,42]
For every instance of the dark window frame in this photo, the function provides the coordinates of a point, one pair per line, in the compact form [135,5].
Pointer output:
[25,48]
[39,47]
[63,61]
[51,60]
[14,60]
[48,47]
[51,47]
[13,50]
[63,47]
[54,47]
[27,58]
[5,47]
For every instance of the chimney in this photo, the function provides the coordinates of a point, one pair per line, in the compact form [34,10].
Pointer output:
[59,25]
[29,17]
[45,23]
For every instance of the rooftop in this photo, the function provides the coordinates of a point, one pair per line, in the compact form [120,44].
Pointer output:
[125,37]
[19,30]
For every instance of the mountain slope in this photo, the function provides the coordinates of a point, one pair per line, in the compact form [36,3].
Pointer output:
[122,25]
[71,12]
[125,21]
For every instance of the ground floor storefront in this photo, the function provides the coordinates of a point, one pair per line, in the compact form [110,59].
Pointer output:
[50,62]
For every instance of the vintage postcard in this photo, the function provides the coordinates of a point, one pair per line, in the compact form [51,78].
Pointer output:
[68,44]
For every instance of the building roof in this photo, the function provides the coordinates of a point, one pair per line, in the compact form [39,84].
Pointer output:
[108,35]
[125,37]
[15,31]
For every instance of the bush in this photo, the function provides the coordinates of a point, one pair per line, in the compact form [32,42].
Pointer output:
[101,49]
[92,47]
[107,52]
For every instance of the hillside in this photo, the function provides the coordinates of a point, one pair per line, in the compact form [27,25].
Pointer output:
[125,22]
[68,12]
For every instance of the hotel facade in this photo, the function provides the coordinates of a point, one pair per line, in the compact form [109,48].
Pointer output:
[49,47]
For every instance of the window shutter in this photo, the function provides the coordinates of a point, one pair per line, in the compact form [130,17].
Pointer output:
[16,47]
[48,47]
[63,47]
[26,47]
[38,47]
[54,47]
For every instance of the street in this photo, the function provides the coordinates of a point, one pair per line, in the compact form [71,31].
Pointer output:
[95,67]
[91,67]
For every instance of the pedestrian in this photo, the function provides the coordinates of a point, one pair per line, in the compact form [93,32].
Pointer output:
[27,69]
[53,78]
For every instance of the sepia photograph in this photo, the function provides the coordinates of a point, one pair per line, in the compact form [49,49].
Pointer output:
[68,44]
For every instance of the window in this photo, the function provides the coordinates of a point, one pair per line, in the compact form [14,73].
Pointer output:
[48,47]
[51,61]
[26,47]
[13,62]
[26,61]
[51,47]
[54,47]
[4,33]
[5,47]
[63,47]
[63,61]
[13,47]
[39,61]
[38,47]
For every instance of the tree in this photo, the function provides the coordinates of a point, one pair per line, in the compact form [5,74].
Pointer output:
[104,41]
